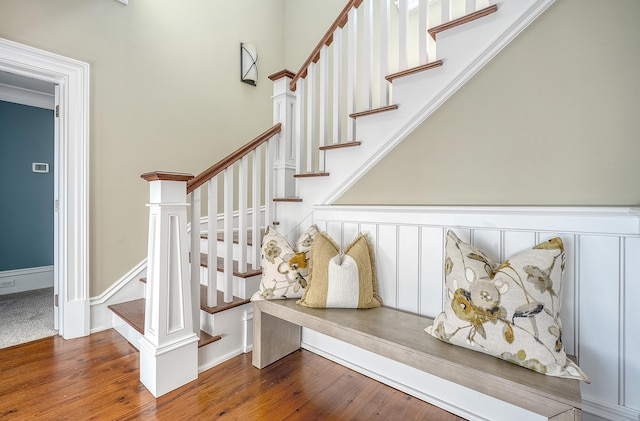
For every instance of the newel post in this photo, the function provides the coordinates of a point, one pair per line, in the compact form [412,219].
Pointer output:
[284,105]
[169,347]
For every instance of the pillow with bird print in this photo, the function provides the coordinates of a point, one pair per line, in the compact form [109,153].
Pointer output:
[511,310]
[285,268]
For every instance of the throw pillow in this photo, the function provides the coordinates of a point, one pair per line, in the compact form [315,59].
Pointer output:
[285,268]
[511,311]
[341,280]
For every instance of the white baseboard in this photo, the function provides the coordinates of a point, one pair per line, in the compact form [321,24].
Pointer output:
[126,288]
[26,279]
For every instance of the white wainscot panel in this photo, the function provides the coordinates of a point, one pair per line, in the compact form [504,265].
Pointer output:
[386,265]
[599,315]
[349,233]
[631,366]
[516,242]
[431,272]
[489,242]
[408,269]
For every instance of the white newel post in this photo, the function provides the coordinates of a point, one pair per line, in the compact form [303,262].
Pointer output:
[169,347]
[284,103]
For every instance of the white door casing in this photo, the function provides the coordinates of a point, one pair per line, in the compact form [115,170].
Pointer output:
[71,221]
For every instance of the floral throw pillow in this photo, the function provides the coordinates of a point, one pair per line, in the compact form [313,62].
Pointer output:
[285,268]
[510,311]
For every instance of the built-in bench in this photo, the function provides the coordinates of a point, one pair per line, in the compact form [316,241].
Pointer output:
[401,337]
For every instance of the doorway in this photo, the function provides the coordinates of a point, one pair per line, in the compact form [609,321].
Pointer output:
[71,216]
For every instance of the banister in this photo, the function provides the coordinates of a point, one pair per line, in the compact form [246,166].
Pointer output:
[217,168]
[327,39]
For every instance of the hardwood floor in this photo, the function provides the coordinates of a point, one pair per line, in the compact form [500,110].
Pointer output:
[96,378]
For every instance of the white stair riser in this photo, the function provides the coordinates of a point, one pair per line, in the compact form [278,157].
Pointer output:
[242,287]
[236,328]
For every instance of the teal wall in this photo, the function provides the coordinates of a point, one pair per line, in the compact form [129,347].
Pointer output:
[26,198]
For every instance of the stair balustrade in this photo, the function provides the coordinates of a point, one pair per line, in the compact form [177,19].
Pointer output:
[347,71]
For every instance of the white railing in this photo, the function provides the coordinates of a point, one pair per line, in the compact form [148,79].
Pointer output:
[243,183]
[346,72]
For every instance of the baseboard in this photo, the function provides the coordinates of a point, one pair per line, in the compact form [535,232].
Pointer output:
[26,279]
[126,288]
[607,410]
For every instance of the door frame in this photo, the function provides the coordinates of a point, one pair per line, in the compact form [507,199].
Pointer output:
[71,177]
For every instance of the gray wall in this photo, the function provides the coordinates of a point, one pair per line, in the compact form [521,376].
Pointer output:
[26,210]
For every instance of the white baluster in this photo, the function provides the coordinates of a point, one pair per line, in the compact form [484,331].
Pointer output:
[212,242]
[228,236]
[323,112]
[255,204]
[445,11]
[403,35]
[352,72]
[311,116]
[367,53]
[242,213]
[337,86]
[195,258]
[299,127]
[269,216]
[384,52]
[422,32]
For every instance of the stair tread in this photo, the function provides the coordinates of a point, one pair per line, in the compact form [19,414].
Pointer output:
[339,145]
[413,70]
[237,301]
[462,20]
[311,174]
[287,199]
[251,271]
[132,312]
[205,236]
[374,111]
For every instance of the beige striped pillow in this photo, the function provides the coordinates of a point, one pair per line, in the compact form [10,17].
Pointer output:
[341,280]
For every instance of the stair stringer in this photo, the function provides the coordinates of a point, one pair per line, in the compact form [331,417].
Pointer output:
[464,50]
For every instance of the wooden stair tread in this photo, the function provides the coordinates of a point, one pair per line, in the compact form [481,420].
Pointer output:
[339,145]
[462,20]
[132,312]
[221,304]
[414,70]
[205,236]
[251,271]
[287,199]
[311,174]
[374,111]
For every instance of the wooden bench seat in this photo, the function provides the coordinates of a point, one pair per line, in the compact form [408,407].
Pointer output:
[401,337]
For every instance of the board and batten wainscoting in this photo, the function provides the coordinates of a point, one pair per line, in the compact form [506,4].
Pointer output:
[600,289]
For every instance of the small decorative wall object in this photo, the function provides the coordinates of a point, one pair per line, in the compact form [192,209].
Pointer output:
[248,66]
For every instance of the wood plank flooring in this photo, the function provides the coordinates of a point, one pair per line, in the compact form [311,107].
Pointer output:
[97,378]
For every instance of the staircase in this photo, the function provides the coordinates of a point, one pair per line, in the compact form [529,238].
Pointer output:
[345,109]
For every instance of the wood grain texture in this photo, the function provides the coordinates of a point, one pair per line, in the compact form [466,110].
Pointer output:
[401,337]
[97,377]
[414,70]
[374,111]
[339,145]
[462,20]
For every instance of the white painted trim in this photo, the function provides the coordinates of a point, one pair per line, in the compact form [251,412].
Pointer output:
[579,219]
[72,175]
[28,97]
[127,288]
[608,411]
[427,109]
[27,279]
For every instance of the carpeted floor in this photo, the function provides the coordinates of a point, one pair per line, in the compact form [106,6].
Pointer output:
[26,316]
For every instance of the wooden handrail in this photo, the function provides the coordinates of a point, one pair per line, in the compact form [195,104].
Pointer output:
[217,168]
[327,39]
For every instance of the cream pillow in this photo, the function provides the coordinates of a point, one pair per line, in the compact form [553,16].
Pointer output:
[511,311]
[284,267]
[341,280]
